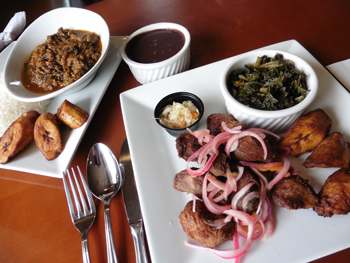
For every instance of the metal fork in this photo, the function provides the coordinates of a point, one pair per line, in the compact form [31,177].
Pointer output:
[83,216]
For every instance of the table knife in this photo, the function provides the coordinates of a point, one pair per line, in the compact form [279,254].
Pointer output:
[132,204]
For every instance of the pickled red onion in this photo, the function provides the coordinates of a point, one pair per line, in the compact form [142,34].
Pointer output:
[203,135]
[208,201]
[236,252]
[240,135]
[280,174]
[236,129]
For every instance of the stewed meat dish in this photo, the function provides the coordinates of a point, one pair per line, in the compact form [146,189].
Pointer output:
[62,59]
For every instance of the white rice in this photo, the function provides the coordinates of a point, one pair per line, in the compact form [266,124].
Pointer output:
[11,109]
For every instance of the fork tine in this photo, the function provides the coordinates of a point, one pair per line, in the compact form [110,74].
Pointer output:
[76,199]
[82,220]
[87,192]
[68,196]
[81,195]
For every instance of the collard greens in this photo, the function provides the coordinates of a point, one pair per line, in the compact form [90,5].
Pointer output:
[268,84]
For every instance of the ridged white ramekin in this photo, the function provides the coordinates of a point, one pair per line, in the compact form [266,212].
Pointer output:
[149,72]
[278,120]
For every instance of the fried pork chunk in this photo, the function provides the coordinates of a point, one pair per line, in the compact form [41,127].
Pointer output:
[335,195]
[247,178]
[47,136]
[219,166]
[71,115]
[186,145]
[214,122]
[249,149]
[18,136]
[184,182]
[307,132]
[294,192]
[333,151]
[196,225]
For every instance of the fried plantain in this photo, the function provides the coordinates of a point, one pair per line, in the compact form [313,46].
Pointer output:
[71,115]
[47,136]
[307,132]
[335,195]
[333,151]
[18,136]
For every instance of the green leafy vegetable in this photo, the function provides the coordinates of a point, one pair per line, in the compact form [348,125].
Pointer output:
[268,84]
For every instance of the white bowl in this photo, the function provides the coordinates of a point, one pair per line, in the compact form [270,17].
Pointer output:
[276,120]
[37,32]
[149,72]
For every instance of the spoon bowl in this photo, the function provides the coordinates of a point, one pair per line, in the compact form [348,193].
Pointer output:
[105,180]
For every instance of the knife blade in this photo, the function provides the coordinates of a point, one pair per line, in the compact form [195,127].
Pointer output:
[132,204]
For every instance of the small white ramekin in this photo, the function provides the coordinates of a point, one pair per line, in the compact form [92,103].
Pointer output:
[149,72]
[278,120]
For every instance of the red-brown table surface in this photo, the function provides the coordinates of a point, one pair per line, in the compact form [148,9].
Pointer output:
[35,225]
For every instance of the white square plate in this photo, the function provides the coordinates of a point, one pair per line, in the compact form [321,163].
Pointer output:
[300,236]
[31,160]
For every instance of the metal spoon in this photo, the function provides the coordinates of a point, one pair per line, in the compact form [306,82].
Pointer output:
[105,179]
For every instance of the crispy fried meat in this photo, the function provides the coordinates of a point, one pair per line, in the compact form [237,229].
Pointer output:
[195,224]
[186,145]
[335,195]
[333,151]
[18,136]
[247,178]
[307,132]
[219,166]
[47,136]
[185,182]
[249,149]
[214,122]
[294,192]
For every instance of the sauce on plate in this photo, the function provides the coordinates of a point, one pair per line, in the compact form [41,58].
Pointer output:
[155,46]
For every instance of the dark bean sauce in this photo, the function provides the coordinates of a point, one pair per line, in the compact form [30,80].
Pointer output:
[155,46]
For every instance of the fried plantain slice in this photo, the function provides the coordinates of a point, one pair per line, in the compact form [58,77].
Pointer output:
[333,151]
[47,135]
[335,195]
[307,132]
[71,115]
[18,136]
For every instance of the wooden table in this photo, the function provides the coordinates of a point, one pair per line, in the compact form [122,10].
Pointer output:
[34,221]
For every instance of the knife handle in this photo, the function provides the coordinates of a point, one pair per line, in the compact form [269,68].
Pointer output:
[139,242]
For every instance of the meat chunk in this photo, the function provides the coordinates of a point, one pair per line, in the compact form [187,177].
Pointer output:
[250,149]
[247,178]
[186,145]
[335,195]
[47,136]
[185,182]
[71,115]
[219,166]
[333,151]
[214,122]
[307,132]
[196,225]
[18,136]
[294,192]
